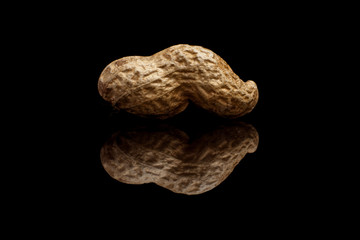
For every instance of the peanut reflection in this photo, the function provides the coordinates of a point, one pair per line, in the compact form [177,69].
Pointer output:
[166,156]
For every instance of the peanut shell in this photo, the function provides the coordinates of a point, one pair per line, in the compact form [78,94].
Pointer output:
[162,85]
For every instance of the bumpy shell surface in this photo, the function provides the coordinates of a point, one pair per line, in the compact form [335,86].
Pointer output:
[162,85]
[165,156]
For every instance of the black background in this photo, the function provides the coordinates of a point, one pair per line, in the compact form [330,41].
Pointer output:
[272,46]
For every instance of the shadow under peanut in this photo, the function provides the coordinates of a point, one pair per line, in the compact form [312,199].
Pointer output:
[166,156]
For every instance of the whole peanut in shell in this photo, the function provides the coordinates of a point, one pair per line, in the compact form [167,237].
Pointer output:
[162,85]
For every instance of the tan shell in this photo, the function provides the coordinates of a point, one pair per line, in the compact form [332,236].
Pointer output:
[166,157]
[161,85]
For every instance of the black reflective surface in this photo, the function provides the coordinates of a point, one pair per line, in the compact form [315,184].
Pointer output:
[272,177]
[61,172]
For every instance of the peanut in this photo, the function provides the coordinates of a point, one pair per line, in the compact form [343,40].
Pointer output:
[166,157]
[162,85]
